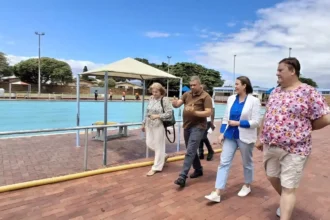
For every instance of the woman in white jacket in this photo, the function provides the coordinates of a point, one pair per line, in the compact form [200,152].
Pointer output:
[238,130]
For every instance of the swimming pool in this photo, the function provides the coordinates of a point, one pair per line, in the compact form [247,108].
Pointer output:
[33,115]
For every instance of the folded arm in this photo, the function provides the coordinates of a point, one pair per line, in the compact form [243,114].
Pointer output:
[254,122]
[203,114]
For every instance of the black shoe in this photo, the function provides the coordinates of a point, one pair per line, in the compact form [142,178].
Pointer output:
[196,174]
[210,156]
[181,182]
[201,156]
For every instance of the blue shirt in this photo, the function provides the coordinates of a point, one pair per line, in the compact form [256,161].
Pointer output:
[232,132]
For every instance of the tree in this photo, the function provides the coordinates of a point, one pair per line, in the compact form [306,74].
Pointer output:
[111,83]
[308,81]
[5,69]
[210,77]
[52,70]
[85,77]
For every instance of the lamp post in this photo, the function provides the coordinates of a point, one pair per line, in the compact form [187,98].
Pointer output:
[39,71]
[290,51]
[234,80]
[168,71]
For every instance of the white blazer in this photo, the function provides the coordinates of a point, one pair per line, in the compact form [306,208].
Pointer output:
[250,112]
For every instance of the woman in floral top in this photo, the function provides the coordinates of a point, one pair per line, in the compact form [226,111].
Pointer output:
[153,125]
[294,109]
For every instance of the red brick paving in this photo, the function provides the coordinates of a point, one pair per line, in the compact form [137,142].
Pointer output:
[131,195]
[25,159]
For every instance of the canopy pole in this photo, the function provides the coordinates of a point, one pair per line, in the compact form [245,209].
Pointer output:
[9,90]
[179,128]
[105,132]
[143,99]
[143,96]
[167,86]
[78,109]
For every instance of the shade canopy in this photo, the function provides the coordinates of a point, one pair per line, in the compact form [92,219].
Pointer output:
[20,83]
[269,91]
[130,68]
[185,89]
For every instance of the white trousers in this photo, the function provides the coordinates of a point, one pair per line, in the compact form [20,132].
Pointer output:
[155,140]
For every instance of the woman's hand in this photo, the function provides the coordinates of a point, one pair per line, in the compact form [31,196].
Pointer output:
[259,145]
[221,139]
[233,123]
[153,117]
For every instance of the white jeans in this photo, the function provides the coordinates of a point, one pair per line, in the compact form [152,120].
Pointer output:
[155,140]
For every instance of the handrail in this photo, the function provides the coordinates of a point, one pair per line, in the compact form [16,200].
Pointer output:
[73,128]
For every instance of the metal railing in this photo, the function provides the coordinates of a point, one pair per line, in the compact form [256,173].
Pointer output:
[59,96]
[86,129]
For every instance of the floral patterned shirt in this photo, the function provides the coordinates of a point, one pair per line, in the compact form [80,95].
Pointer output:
[155,108]
[289,116]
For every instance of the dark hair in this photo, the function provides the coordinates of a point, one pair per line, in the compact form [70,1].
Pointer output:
[246,81]
[293,64]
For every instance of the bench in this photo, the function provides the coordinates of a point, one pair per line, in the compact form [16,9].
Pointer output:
[122,131]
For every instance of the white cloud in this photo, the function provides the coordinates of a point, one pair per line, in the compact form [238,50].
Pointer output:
[157,34]
[231,24]
[76,65]
[302,25]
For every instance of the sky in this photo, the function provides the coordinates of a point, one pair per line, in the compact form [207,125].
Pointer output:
[94,33]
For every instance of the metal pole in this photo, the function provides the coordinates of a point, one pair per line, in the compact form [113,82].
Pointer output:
[105,118]
[143,99]
[39,62]
[86,150]
[234,80]
[9,90]
[39,71]
[290,51]
[179,124]
[168,71]
[78,110]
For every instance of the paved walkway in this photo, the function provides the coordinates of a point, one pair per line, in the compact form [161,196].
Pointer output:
[30,158]
[131,195]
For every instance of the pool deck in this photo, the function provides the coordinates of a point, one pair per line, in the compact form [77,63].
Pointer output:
[130,194]
[31,158]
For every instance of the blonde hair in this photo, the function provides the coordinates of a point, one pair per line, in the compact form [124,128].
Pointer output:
[159,87]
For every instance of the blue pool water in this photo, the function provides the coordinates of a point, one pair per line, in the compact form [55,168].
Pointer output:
[31,115]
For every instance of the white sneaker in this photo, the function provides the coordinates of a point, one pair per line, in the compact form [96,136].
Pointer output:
[244,191]
[278,212]
[214,197]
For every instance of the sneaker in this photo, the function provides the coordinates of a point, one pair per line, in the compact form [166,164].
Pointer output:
[278,212]
[214,197]
[244,191]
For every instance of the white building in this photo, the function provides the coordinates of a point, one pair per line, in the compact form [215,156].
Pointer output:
[221,94]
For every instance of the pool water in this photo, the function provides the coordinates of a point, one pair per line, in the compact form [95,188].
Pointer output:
[33,115]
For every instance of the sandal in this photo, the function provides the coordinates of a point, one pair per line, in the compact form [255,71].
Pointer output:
[151,172]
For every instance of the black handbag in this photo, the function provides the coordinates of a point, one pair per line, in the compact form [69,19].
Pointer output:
[169,123]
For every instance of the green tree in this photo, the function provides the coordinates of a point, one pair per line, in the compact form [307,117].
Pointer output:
[85,77]
[308,81]
[210,77]
[5,69]
[55,71]
[111,83]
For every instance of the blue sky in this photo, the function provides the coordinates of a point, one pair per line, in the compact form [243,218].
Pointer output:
[104,31]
